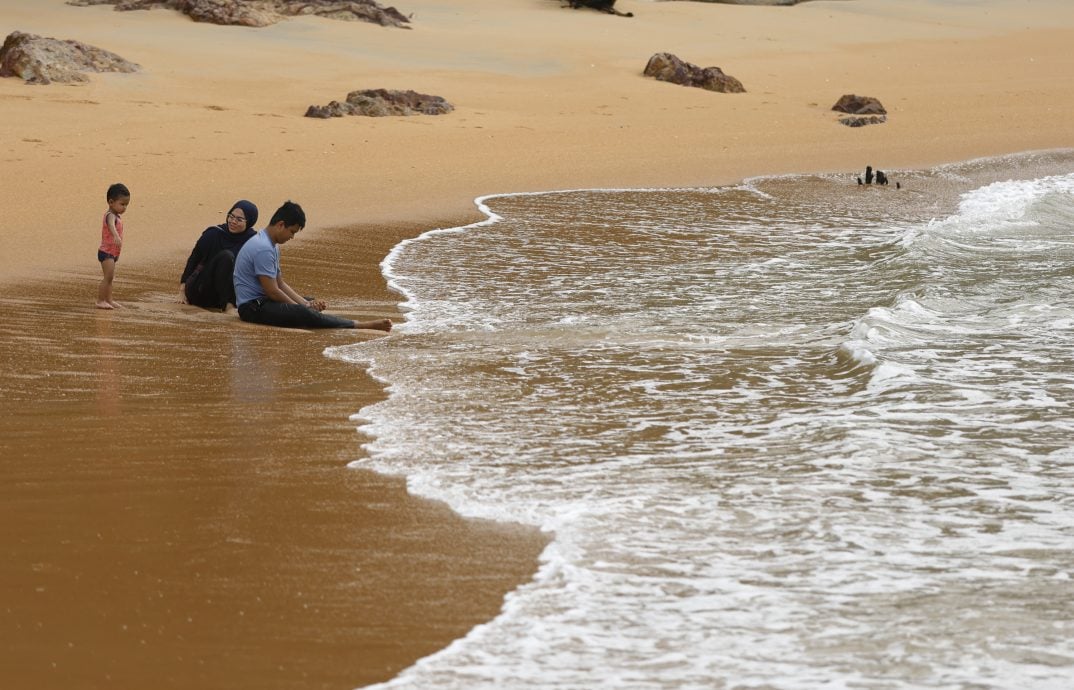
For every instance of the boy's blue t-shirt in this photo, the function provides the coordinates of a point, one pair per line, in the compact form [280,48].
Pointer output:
[258,257]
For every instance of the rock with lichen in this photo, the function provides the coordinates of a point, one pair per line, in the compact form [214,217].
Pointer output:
[859,105]
[668,67]
[382,103]
[259,13]
[42,60]
[861,110]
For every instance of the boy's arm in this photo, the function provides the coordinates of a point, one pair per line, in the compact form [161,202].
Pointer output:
[290,292]
[112,229]
[271,286]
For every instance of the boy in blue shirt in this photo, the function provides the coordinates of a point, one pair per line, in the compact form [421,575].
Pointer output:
[261,294]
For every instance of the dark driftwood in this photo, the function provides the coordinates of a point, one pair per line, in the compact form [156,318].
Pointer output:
[600,5]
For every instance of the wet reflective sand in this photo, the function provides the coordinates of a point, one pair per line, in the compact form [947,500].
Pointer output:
[176,508]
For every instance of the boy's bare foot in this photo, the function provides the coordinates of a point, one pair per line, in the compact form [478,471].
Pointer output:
[377,325]
[116,305]
[104,305]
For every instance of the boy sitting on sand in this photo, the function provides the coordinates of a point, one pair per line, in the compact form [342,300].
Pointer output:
[260,291]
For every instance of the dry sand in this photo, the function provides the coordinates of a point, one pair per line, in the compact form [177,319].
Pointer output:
[176,510]
[546,98]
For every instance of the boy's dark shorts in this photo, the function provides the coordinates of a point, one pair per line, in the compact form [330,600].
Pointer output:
[101,256]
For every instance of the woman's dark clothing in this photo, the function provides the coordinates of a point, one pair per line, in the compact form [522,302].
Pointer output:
[208,271]
[211,286]
[207,277]
[285,315]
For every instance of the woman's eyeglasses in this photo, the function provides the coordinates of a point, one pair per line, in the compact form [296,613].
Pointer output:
[237,219]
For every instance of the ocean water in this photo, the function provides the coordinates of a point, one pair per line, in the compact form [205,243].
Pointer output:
[791,433]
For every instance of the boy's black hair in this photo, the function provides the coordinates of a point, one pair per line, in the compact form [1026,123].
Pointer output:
[291,214]
[116,191]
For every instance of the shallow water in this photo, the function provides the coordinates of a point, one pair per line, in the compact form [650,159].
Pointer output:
[791,433]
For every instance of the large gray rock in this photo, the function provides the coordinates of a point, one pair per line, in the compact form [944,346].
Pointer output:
[265,12]
[667,67]
[42,60]
[381,103]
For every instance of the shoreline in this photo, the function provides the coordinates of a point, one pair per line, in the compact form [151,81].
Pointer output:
[133,493]
[566,347]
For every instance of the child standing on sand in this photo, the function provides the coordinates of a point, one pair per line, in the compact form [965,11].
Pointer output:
[119,197]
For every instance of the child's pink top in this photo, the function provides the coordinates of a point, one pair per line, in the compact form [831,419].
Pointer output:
[108,245]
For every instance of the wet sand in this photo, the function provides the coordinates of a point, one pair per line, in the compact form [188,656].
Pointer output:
[176,509]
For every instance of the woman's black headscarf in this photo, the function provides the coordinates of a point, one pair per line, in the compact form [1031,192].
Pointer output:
[248,209]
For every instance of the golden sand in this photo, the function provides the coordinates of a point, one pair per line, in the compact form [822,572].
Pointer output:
[546,98]
[176,509]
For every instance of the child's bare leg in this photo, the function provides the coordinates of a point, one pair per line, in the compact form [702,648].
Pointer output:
[376,325]
[104,291]
[115,304]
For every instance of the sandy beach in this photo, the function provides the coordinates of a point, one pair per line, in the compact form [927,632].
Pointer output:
[177,509]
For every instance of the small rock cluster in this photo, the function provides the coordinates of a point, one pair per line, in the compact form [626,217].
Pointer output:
[668,67]
[862,110]
[41,60]
[382,102]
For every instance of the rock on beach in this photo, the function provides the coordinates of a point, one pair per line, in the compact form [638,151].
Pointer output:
[861,110]
[381,103]
[43,60]
[258,13]
[668,67]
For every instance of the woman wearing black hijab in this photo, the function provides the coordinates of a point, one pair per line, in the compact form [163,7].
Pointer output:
[207,279]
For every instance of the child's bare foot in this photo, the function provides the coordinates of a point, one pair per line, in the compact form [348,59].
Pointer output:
[116,305]
[104,305]
[377,325]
